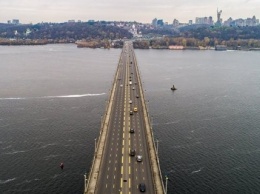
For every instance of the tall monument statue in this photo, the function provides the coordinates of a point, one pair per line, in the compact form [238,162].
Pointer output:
[219,20]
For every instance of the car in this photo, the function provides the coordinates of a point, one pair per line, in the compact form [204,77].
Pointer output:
[130,101]
[121,85]
[139,158]
[132,130]
[142,187]
[133,88]
[135,109]
[132,152]
[131,112]
[137,96]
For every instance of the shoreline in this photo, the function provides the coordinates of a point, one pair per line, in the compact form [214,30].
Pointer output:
[38,42]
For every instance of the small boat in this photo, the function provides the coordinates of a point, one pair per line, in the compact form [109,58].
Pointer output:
[61,166]
[173,88]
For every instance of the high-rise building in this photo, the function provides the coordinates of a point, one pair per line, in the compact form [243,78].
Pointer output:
[204,20]
[160,22]
[175,22]
[154,22]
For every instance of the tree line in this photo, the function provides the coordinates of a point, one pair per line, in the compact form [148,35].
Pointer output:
[64,32]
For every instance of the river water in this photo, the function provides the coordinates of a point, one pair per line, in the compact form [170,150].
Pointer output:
[52,99]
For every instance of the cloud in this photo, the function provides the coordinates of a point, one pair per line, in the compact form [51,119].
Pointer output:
[138,10]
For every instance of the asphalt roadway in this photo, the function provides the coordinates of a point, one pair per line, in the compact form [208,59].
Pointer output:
[121,173]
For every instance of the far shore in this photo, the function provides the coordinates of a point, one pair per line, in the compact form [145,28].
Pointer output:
[107,45]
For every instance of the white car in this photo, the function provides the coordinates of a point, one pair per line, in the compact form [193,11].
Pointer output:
[139,158]
[130,101]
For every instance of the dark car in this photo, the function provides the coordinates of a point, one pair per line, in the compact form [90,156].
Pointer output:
[132,152]
[132,130]
[137,96]
[142,187]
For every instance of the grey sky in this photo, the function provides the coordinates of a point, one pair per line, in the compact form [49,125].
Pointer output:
[124,10]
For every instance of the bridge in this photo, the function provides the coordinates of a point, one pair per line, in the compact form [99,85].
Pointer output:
[125,153]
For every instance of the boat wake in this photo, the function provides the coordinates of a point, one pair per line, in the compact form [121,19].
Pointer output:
[74,96]
[7,181]
[196,171]
[64,96]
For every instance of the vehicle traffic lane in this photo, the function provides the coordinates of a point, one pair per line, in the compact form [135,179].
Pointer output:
[144,168]
[108,181]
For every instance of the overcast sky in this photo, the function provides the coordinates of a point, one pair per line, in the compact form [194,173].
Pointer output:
[124,10]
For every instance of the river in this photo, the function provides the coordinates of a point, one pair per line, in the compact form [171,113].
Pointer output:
[52,98]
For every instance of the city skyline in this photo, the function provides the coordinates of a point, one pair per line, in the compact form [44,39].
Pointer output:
[35,11]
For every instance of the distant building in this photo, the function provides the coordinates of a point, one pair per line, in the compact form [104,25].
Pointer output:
[157,23]
[28,31]
[242,22]
[176,47]
[160,22]
[154,22]
[228,22]
[175,23]
[15,21]
[204,20]
[190,22]
[71,21]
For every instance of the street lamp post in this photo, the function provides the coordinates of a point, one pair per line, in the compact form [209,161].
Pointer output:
[166,182]
[152,122]
[95,145]
[157,146]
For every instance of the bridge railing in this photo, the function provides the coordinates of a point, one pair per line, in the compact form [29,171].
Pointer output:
[150,127]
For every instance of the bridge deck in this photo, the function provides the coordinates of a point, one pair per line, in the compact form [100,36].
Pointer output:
[126,126]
